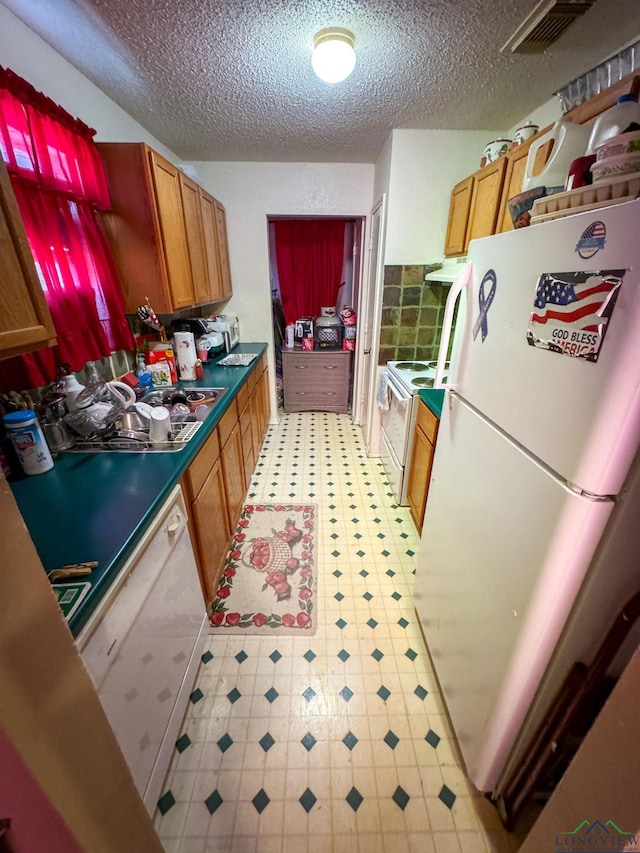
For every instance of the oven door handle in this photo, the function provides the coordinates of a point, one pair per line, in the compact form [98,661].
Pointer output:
[395,391]
[457,287]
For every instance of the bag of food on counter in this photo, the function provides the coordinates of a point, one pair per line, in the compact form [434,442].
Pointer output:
[161,374]
[161,351]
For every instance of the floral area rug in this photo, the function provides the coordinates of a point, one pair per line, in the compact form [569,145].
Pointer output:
[269,582]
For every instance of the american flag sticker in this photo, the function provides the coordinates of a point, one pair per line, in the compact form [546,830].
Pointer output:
[592,240]
[572,310]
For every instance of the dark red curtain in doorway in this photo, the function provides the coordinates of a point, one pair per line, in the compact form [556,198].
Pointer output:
[309,253]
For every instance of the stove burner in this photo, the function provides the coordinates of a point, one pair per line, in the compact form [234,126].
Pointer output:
[423,381]
[414,366]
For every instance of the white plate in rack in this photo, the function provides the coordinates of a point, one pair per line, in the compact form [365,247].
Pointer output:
[239,359]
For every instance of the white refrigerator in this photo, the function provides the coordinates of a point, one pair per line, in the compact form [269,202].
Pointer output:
[531,534]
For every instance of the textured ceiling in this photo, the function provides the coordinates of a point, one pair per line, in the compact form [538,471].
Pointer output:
[232,79]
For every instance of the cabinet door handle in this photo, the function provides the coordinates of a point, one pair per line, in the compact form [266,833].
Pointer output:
[302,366]
[330,366]
[110,649]
[330,393]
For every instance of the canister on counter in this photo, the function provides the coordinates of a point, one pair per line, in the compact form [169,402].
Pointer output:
[289,337]
[28,440]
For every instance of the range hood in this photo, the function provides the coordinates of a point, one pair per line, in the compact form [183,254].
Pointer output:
[448,272]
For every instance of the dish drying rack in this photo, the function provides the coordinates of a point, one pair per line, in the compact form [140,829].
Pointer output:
[178,441]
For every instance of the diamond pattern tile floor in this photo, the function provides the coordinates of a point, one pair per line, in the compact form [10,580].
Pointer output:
[336,742]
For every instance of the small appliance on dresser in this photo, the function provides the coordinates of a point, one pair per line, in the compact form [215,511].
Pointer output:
[404,380]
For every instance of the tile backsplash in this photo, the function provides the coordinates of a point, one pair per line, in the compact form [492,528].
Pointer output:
[412,314]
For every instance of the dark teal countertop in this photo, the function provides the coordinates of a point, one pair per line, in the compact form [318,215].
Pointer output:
[96,506]
[434,398]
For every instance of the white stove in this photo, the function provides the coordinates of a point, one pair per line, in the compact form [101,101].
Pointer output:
[404,380]
[413,376]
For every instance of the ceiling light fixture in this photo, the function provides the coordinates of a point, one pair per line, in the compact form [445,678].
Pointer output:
[333,56]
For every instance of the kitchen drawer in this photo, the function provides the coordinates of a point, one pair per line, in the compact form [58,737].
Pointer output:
[242,396]
[427,422]
[324,380]
[317,363]
[324,401]
[199,469]
[227,423]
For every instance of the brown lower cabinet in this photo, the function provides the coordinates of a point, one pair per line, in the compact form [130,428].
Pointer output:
[204,490]
[424,448]
[233,473]
[215,483]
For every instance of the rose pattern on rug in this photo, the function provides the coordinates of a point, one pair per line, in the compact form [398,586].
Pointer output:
[269,579]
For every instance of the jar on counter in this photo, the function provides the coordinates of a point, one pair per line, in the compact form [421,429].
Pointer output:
[28,440]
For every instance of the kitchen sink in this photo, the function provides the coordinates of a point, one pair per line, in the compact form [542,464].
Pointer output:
[184,425]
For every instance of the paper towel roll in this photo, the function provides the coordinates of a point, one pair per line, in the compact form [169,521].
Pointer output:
[186,355]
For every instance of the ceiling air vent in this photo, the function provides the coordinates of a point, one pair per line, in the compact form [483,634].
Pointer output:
[546,23]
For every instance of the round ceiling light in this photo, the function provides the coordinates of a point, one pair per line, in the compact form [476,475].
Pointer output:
[333,56]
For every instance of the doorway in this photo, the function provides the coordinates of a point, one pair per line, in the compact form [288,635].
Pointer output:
[344,293]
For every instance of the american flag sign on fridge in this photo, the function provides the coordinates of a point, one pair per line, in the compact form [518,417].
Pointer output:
[571,311]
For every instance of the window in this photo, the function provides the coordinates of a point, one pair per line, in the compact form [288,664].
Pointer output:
[59,182]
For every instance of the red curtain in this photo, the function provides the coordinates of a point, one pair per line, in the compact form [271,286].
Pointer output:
[59,182]
[309,254]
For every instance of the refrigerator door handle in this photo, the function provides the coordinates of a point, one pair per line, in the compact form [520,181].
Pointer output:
[457,287]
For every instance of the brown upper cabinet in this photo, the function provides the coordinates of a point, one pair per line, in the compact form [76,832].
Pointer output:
[25,320]
[456,240]
[164,232]
[478,204]
[223,249]
[484,194]
[485,199]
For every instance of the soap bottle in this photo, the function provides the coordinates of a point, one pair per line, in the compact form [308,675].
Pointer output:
[91,373]
[70,386]
[144,375]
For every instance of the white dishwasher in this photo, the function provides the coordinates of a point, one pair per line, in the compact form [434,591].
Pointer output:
[142,646]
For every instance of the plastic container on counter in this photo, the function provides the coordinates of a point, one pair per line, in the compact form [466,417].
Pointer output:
[614,121]
[569,141]
[28,440]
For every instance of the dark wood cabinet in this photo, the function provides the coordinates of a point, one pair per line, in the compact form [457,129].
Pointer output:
[25,320]
[316,380]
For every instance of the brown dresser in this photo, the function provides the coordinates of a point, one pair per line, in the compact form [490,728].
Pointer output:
[316,380]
